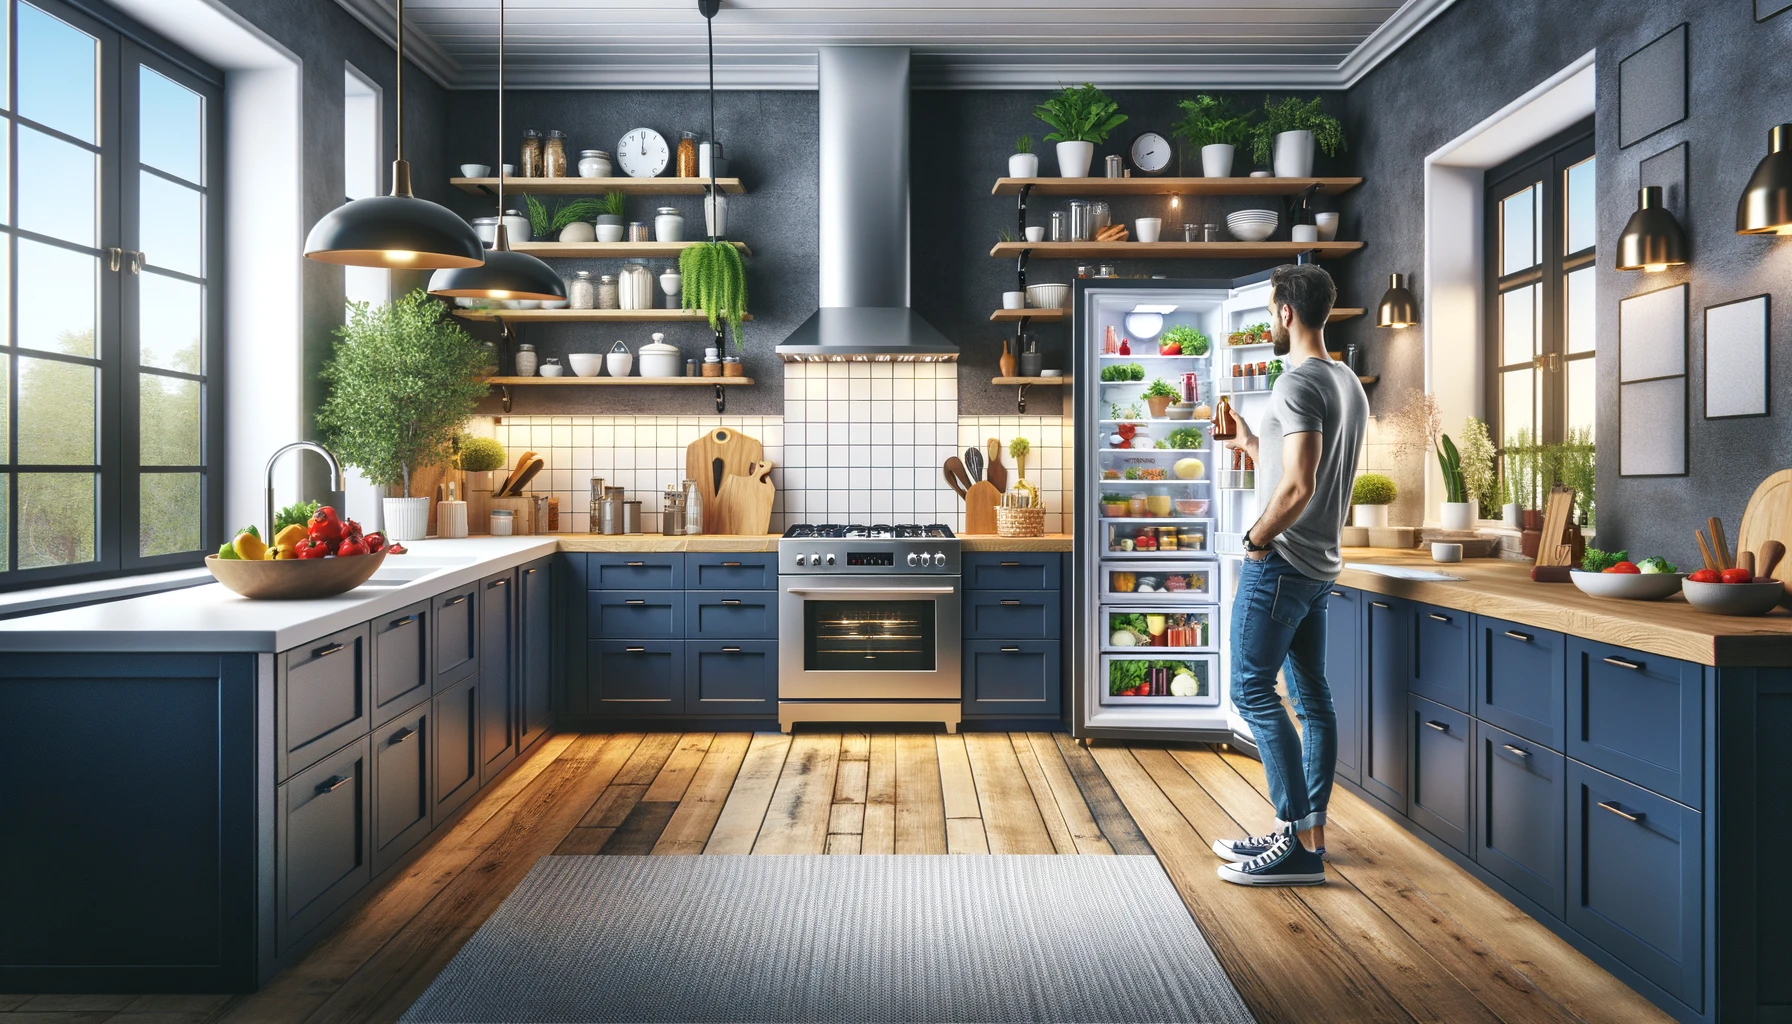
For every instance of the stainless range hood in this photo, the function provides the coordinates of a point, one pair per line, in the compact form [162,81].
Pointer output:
[864,314]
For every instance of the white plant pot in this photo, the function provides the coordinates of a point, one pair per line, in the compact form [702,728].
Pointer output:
[609,228]
[406,518]
[1511,517]
[1294,154]
[1216,160]
[1074,159]
[1023,165]
[1372,516]
[1458,515]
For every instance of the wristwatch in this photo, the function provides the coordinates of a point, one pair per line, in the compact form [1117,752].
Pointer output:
[1253,547]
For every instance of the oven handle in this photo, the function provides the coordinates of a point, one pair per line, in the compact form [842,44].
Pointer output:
[837,591]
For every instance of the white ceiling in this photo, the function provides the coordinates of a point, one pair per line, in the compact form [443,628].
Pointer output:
[770,44]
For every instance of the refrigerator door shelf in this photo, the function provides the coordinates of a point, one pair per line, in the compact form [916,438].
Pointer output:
[1177,582]
[1200,623]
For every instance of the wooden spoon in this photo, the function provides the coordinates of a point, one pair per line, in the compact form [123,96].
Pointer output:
[1718,545]
[995,472]
[956,476]
[1771,553]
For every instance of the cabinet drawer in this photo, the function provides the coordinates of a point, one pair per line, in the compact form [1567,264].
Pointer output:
[1520,680]
[717,614]
[1638,716]
[1011,614]
[1344,673]
[456,629]
[731,678]
[536,631]
[1520,787]
[1441,661]
[1634,871]
[1442,772]
[612,615]
[723,571]
[1013,570]
[636,677]
[635,572]
[323,828]
[499,732]
[401,671]
[1387,669]
[323,698]
[1005,678]
[454,755]
[401,772]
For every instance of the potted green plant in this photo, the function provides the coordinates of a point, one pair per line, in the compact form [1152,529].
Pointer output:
[1370,497]
[1570,464]
[1217,128]
[610,225]
[1024,163]
[402,379]
[716,283]
[1455,510]
[1289,132]
[1158,395]
[1081,118]
[1480,480]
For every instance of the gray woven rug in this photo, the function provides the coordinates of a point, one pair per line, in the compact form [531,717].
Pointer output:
[889,938]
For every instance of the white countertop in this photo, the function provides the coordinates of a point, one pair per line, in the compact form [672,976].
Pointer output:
[211,618]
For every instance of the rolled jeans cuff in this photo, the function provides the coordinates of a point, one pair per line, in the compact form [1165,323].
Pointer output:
[1314,820]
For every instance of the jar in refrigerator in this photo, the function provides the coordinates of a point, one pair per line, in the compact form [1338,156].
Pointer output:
[553,155]
[529,164]
[1110,342]
[668,224]
[1136,506]
[594,163]
[581,291]
[687,154]
[608,295]
[1166,538]
[1191,387]
[525,360]
[634,287]
[1080,230]
[1100,216]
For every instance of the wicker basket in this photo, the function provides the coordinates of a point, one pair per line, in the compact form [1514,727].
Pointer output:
[1019,522]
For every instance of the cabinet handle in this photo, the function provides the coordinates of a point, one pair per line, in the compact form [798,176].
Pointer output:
[730,650]
[634,565]
[1011,601]
[1010,650]
[1010,565]
[456,600]
[730,565]
[1520,751]
[530,572]
[1338,593]
[326,651]
[1626,815]
[1438,618]
[635,650]
[1634,666]
[1439,726]
[1378,604]
[499,583]
[403,734]
[636,600]
[730,601]
[1521,637]
[407,620]
[334,783]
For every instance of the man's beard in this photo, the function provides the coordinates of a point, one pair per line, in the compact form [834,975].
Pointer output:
[1278,336]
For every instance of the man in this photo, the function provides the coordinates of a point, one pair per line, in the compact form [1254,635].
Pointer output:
[1306,465]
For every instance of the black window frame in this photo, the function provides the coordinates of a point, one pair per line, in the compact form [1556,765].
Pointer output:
[124,45]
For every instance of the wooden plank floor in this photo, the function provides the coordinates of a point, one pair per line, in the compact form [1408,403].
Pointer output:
[1399,933]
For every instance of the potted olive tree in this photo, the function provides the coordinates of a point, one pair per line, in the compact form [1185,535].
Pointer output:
[1370,497]
[1081,118]
[402,379]
[1290,131]
[1217,128]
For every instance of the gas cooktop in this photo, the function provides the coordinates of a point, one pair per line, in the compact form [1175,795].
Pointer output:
[858,549]
[859,531]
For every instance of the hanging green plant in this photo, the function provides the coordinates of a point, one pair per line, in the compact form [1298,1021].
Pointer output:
[716,283]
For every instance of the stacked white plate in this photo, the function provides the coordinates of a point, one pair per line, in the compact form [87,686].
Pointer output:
[1251,225]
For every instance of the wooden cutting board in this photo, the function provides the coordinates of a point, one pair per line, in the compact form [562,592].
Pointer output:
[1769,514]
[710,459]
[1554,549]
[980,507]
[745,504]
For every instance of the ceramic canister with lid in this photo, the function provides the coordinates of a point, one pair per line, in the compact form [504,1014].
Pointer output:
[668,224]
[594,163]
[525,360]
[516,227]
[487,229]
[581,291]
[659,359]
[634,286]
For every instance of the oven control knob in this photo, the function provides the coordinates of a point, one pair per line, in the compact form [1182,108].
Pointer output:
[913,559]
[799,559]
[926,559]
[815,558]
[939,559]
[830,559]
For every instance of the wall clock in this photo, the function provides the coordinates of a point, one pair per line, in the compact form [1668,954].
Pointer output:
[643,153]
[1150,153]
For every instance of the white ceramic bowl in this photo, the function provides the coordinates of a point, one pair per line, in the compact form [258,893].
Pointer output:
[1147,228]
[555,303]
[1036,234]
[521,303]
[1445,551]
[1328,226]
[586,364]
[1734,598]
[1648,586]
[1047,296]
[475,170]
[1251,225]
[1014,300]
[1051,373]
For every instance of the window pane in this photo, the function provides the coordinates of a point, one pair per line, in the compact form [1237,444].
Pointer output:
[169,513]
[56,519]
[171,225]
[57,195]
[1518,402]
[1518,231]
[169,322]
[1579,210]
[1579,299]
[170,421]
[5,426]
[5,145]
[58,72]
[5,522]
[57,415]
[170,131]
[1582,393]
[1518,325]
[64,290]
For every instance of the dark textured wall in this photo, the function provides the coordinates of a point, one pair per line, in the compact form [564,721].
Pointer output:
[1476,58]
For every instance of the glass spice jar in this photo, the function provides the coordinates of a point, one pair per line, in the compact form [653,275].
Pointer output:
[581,291]
[608,295]
[553,155]
[687,154]
[529,165]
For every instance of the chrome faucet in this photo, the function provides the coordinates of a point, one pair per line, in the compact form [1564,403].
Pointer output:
[335,476]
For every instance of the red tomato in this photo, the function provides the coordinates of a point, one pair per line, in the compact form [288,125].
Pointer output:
[351,546]
[1706,576]
[1625,568]
[1169,348]
[311,547]
[1738,576]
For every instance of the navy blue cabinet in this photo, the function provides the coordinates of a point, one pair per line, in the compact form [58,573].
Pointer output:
[1013,570]
[535,654]
[1520,680]
[324,835]
[1440,655]
[1012,678]
[723,571]
[1638,716]
[638,677]
[402,806]
[1014,614]
[1440,799]
[499,734]
[1520,815]
[402,674]
[738,677]
[1013,620]
[624,614]
[454,757]
[731,614]
[1344,674]
[635,572]
[456,627]
[322,699]
[1384,701]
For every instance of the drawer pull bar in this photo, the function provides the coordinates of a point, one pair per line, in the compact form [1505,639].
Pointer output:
[1010,565]
[1438,618]
[730,601]
[403,734]
[500,583]
[1516,635]
[530,572]
[1520,751]
[1338,593]
[1439,726]
[730,650]
[1634,666]
[636,600]
[634,565]
[456,600]
[635,650]
[326,651]
[1378,604]
[730,565]
[1626,815]
[1010,650]
[334,783]
[407,620]
[1011,601]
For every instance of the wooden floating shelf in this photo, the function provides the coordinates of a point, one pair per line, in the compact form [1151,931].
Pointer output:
[1170,186]
[597,186]
[580,316]
[620,382]
[1167,250]
[1050,382]
[1370,379]
[1054,315]
[613,250]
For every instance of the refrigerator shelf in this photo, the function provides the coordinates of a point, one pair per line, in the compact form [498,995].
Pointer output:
[1148,421]
[1139,452]
[1156,520]
[1138,356]
[1141,483]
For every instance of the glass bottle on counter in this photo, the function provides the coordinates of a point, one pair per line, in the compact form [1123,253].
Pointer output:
[553,155]
[687,154]
[529,165]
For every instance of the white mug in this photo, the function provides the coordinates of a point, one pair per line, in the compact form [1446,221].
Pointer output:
[1147,228]
[1305,233]
[1444,551]
[1014,300]
[1036,234]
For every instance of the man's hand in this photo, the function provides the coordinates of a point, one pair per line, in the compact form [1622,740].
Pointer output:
[1244,440]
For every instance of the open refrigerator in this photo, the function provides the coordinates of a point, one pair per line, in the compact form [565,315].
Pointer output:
[1160,509]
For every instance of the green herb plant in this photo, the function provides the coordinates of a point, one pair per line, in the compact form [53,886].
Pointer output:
[1115,499]
[1292,115]
[1373,489]
[1080,114]
[1185,438]
[298,513]
[1596,560]
[1571,464]
[1524,470]
[1159,388]
[1024,144]
[716,283]
[1212,121]
[1449,462]
[614,204]
[1193,342]
[1479,477]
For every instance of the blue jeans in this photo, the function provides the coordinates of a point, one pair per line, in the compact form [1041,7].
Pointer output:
[1278,620]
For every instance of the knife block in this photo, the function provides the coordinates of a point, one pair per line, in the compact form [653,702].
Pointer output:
[525,514]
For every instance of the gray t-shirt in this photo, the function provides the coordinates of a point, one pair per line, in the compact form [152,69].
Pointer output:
[1321,395]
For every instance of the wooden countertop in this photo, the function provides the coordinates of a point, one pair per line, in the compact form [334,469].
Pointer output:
[769,542]
[991,542]
[1670,628]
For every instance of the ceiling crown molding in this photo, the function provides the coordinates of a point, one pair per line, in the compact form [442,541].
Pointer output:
[1390,36]
[380,17]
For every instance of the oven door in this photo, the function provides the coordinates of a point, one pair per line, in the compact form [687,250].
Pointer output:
[869,638]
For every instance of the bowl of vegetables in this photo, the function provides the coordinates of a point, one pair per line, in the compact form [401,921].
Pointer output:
[1733,592]
[1613,574]
[309,557]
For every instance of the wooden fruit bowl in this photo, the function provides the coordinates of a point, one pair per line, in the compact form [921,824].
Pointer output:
[294,579]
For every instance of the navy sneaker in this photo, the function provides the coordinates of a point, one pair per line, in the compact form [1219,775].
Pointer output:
[1286,862]
[1240,850]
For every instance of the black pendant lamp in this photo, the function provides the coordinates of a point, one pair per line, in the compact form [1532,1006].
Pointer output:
[397,231]
[1766,204]
[1398,307]
[1653,239]
[505,274]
